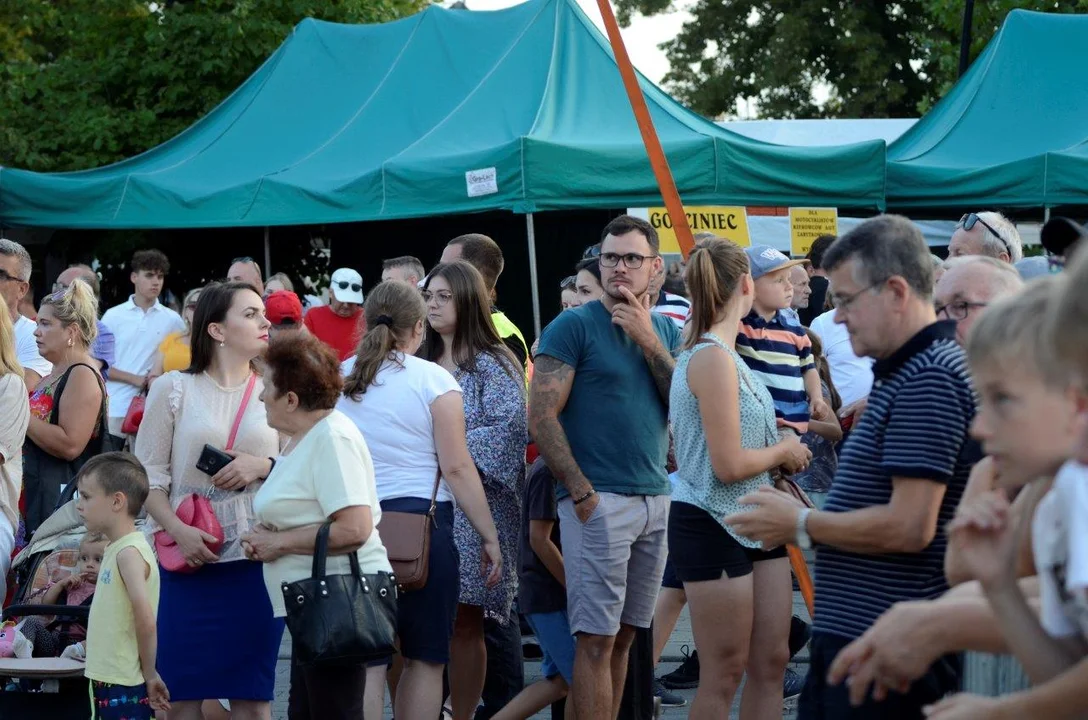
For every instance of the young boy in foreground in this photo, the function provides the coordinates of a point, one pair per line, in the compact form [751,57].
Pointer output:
[1031,422]
[776,349]
[121,636]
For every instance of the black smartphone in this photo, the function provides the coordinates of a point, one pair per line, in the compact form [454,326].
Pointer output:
[212,460]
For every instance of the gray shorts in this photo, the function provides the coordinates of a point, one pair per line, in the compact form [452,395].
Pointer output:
[614,562]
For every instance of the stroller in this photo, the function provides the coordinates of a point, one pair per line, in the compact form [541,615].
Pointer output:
[53,688]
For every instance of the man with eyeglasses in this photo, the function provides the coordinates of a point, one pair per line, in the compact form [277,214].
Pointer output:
[879,539]
[968,285]
[341,323]
[986,233]
[246,269]
[598,411]
[15,268]
[103,348]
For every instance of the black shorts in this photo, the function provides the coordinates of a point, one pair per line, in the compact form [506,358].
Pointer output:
[425,617]
[669,579]
[700,549]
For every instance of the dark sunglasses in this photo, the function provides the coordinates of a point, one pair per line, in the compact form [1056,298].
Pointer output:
[592,251]
[245,259]
[969,220]
[344,285]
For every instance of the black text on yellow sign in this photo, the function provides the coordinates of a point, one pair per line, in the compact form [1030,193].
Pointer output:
[807,224]
[730,223]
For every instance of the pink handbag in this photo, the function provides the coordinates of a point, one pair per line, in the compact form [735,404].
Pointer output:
[196,510]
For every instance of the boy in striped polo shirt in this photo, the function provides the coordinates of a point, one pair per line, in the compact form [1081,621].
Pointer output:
[776,348]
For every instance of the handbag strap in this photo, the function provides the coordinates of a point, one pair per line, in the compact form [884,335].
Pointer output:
[241,411]
[434,492]
[321,554]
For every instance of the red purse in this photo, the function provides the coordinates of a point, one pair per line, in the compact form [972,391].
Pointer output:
[135,415]
[196,510]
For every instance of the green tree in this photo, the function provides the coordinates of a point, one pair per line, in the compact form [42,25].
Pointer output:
[823,58]
[84,83]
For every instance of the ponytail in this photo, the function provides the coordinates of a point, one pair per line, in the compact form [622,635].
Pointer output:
[77,305]
[713,274]
[392,310]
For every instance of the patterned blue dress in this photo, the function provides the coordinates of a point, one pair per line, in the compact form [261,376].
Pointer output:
[496,421]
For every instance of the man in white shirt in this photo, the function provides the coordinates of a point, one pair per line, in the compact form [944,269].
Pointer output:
[139,326]
[852,375]
[15,267]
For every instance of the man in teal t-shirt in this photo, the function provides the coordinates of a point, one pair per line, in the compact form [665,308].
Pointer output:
[599,416]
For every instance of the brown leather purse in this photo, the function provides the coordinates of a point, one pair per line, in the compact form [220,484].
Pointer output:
[407,540]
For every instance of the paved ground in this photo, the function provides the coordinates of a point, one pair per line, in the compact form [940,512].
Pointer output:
[670,659]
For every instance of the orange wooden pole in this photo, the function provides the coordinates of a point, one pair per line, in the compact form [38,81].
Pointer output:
[658,161]
[669,194]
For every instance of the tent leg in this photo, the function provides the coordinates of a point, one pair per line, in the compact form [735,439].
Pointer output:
[534,280]
[267,254]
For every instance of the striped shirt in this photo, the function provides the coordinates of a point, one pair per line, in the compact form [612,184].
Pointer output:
[779,353]
[674,307]
[915,426]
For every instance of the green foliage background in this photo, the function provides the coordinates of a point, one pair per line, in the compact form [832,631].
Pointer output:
[85,83]
[874,59]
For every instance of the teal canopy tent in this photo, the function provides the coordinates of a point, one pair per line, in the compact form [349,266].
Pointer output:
[444,112]
[1012,132]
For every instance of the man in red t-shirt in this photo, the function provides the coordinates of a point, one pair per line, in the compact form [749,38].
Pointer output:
[340,324]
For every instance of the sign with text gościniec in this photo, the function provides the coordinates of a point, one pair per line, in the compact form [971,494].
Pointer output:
[730,223]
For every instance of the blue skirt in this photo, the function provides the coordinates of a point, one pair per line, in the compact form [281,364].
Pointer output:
[217,635]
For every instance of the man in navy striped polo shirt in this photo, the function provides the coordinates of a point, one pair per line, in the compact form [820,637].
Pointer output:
[901,473]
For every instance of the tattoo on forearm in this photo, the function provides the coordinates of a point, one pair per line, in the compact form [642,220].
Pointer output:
[661,367]
[550,380]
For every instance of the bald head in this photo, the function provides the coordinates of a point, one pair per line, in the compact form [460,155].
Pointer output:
[971,283]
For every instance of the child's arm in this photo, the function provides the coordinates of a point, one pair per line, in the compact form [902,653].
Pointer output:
[52,594]
[540,540]
[815,391]
[134,573]
[830,431]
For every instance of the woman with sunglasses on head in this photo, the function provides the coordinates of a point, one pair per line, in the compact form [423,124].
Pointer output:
[217,634]
[412,417]
[67,407]
[462,339]
[174,351]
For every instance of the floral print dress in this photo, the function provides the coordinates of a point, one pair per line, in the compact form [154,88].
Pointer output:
[496,422]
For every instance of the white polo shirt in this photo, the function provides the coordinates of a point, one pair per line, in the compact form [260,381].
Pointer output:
[852,375]
[26,348]
[137,333]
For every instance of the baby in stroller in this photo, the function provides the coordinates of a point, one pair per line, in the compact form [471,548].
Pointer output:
[62,637]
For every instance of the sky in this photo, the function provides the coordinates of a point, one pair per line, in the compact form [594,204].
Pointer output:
[642,37]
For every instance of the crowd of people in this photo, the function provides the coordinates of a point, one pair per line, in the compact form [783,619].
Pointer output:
[641,455]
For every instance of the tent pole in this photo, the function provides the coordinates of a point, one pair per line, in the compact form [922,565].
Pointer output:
[530,233]
[267,254]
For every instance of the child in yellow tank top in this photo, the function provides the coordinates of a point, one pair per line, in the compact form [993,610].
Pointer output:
[121,636]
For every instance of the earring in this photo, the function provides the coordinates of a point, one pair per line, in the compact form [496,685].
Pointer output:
[222,344]
[69,342]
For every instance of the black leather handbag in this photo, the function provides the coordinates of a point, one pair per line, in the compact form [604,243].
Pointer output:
[341,619]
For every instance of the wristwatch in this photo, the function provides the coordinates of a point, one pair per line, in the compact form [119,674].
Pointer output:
[803,540]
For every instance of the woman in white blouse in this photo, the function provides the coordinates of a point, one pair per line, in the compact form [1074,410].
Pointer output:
[218,637]
[324,474]
[14,416]
[411,414]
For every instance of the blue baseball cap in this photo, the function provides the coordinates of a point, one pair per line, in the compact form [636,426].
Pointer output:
[763,259]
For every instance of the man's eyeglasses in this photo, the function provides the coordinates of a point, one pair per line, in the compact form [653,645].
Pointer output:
[592,251]
[568,283]
[5,276]
[958,309]
[441,298]
[344,285]
[968,221]
[59,287]
[843,302]
[245,259]
[632,260]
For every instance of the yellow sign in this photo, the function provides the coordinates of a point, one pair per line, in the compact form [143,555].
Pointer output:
[807,224]
[730,223]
